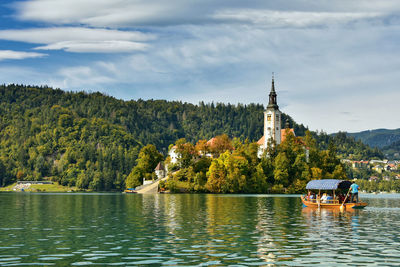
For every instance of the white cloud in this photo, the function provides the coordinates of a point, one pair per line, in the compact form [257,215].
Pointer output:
[96,47]
[122,13]
[329,56]
[363,111]
[98,13]
[79,39]
[273,18]
[80,77]
[60,34]
[319,72]
[9,54]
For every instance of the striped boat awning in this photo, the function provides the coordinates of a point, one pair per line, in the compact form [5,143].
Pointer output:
[328,184]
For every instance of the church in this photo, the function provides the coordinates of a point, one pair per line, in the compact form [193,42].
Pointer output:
[273,132]
[272,123]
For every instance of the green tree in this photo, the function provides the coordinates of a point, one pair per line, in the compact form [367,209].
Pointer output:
[148,158]
[135,178]
[147,161]
[186,151]
[281,172]
[220,144]
[216,177]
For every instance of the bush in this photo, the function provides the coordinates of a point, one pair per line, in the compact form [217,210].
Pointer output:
[162,186]
[172,186]
[277,189]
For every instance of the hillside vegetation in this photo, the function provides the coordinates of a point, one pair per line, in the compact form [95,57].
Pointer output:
[92,141]
[386,140]
[392,150]
[236,168]
[348,147]
[378,137]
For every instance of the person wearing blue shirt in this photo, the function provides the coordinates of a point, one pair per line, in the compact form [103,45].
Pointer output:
[354,192]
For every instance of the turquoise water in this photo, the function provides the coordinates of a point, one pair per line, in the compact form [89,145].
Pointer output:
[171,230]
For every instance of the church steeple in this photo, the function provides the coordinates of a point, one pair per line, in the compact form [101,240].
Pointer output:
[272,121]
[272,96]
[287,124]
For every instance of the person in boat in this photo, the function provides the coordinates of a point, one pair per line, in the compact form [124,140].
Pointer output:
[341,197]
[324,198]
[354,192]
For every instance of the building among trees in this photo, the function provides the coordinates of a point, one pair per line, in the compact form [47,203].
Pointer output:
[160,170]
[273,134]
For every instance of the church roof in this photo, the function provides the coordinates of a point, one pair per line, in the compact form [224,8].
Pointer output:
[261,141]
[283,133]
[160,167]
[211,141]
[272,97]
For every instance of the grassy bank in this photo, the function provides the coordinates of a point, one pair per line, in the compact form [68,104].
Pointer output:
[55,187]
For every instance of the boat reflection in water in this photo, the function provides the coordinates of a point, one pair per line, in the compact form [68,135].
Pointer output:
[322,213]
[333,221]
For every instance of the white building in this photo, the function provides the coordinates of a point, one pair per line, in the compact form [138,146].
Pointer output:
[173,155]
[160,170]
[272,119]
[272,123]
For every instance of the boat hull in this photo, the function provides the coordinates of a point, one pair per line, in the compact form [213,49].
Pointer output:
[129,191]
[312,204]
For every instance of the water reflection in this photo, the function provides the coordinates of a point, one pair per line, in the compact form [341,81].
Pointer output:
[101,229]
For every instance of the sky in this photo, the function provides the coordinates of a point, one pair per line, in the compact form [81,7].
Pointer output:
[336,62]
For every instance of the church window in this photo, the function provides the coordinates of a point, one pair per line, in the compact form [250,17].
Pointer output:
[277,117]
[269,117]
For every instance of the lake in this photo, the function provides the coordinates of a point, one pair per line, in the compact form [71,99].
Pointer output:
[194,229]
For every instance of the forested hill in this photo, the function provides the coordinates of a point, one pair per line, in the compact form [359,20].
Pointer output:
[378,138]
[93,140]
[157,122]
[386,140]
[347,146]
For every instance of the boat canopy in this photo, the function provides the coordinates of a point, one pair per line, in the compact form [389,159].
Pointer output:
[328,184]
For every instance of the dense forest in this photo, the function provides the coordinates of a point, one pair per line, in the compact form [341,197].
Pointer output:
[392,150]
[378,138]
[386,140]
[235,167]
[93,141]
[348,147]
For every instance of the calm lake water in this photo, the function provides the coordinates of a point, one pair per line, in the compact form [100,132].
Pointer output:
[167,229]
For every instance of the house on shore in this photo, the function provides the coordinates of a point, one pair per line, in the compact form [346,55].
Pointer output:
[160,170]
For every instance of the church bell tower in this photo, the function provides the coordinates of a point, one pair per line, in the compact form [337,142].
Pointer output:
[272,119]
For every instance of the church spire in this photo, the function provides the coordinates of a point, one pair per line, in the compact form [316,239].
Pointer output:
[272,96]
[287,124]
[273,84]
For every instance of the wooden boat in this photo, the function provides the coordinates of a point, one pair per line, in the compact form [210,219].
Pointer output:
[334,186]
[130,191]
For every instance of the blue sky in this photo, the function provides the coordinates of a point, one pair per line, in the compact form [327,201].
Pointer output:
[336,63]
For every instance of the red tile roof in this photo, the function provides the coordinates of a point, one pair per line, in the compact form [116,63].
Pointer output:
[283,134]
[159,167]
[261,141]
[211,141]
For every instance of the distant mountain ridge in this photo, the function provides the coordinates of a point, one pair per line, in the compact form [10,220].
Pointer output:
[388,141]
[378,138]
